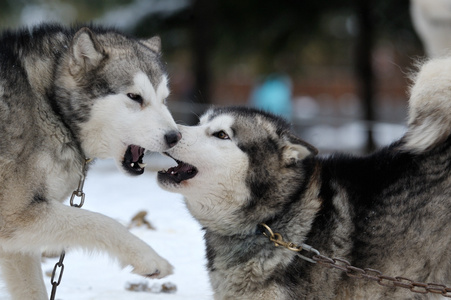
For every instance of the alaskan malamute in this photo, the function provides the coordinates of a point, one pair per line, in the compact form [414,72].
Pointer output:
[67,94]
[389,211]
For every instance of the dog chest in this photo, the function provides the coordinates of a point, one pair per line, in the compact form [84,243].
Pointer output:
[61,173]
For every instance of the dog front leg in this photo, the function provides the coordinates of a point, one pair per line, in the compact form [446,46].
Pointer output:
[23,275]
[59,226]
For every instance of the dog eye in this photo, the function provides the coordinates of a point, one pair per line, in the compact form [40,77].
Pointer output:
[135,97]
[221,135]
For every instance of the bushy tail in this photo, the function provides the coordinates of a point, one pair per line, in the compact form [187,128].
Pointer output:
[429,120]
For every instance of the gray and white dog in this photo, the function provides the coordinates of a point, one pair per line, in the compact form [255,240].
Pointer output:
[67,94]
[388,211]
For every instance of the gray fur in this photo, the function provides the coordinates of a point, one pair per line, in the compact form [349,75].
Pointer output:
[388,211]
[60,90]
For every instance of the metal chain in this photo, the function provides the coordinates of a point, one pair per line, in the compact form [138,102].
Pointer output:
[54,283]
[59,265]
[358,273]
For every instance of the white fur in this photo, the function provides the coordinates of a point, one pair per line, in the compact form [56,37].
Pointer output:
[27,267]
[75,227]
[212,193]
[58,184]
[117,121]
[430,106]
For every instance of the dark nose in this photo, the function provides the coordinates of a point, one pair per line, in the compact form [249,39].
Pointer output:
[172,138]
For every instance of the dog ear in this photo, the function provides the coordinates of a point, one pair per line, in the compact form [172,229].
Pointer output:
[296,149]
[154,43]
[86,51]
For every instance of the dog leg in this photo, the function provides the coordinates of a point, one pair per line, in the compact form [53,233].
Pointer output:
[59,226]
[23,275]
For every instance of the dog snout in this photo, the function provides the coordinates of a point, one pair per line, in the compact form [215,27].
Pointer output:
[172,138]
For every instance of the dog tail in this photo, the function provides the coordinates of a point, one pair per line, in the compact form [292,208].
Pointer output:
[429,121]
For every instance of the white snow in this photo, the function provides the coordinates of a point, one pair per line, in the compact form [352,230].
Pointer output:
[178,238]
[352,136]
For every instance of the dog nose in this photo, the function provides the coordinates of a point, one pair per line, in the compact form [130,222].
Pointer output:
[172,138]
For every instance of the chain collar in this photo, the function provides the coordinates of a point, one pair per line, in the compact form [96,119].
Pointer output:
[79,191]
[277,239]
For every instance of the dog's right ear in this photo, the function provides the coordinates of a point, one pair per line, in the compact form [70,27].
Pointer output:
[86,52]
[154,44]
[296,149]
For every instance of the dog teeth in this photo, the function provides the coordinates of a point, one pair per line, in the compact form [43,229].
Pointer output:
[141,165]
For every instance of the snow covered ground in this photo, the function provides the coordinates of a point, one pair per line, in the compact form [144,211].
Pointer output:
[178,238]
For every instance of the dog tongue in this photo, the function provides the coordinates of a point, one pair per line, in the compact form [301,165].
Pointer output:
[136,152]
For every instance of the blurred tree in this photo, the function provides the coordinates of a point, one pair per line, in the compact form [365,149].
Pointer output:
[204,18]
[363,65]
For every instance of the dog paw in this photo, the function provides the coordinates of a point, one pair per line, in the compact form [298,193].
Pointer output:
[155,268]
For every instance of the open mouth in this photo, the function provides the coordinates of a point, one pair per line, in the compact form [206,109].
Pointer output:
[181,172]
[133,160]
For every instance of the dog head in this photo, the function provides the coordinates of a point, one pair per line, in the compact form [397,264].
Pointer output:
[111,91]
[235,159]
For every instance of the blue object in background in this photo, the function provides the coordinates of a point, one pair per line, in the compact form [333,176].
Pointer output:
[274,95]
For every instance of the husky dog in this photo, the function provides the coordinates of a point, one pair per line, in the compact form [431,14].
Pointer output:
[387,211]
[67,94]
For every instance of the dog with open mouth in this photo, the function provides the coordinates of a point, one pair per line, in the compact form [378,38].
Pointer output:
[67,94]
[388,211]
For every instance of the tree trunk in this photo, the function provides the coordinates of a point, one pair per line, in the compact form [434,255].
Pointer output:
[203,12]
[364,70]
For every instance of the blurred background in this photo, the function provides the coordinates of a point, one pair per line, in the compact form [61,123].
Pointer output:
[337,69]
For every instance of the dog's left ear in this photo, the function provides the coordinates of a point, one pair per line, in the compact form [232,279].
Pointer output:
[296,149]
[86,52]
[154,44]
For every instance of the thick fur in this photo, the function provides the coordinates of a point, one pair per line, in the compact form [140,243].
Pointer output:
[388,211]
[67,94]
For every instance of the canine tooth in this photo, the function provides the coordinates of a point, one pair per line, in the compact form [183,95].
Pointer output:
[132,165]
[142,165]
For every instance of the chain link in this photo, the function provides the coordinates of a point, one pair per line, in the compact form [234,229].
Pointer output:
[358,273]
[59,265]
